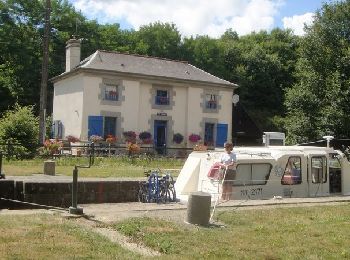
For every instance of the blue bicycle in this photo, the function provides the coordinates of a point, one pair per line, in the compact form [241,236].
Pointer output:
[158,188]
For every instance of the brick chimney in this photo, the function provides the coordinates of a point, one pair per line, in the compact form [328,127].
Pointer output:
[72,54]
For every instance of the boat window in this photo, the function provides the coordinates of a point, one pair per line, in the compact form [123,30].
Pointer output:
[318,170]
[292,171]
[252,174]
[334,161]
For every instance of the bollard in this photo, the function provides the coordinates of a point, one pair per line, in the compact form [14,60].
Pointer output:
[74,209]
[198,208]
[49,167]
[2,175]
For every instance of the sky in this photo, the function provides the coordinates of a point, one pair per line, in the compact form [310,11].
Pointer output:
[204,17]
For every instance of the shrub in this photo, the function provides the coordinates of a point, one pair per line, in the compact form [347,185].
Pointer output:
[50,147]
[20,126]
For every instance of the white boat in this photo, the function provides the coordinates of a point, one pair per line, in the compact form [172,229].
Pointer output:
[268,172]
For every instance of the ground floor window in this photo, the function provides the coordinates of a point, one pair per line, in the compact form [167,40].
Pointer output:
[110,126]
[102,126]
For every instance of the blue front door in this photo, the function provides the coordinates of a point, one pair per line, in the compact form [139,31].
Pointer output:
[221,134]
[95,125]
[160,134]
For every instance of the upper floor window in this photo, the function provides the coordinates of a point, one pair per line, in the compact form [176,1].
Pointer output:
[211,101]
[292,172]
[162,97]
[111,93]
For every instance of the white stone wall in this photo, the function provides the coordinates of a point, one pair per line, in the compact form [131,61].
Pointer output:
[136,109]
[68,104]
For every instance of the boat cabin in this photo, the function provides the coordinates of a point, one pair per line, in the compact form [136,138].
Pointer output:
[267,172]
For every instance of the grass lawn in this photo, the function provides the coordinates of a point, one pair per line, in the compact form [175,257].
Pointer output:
[283,233]
[320,232]
[103,167]
[51,237]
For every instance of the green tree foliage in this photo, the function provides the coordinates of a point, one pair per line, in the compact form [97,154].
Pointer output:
[20,23]
[205,53]
[322,93]
[263,65]
[20,126]
[159,40]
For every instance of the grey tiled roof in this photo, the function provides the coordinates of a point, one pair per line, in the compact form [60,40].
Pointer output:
[149,66]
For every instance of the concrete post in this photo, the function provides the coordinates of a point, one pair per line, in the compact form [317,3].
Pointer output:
[198,208]
[49,167]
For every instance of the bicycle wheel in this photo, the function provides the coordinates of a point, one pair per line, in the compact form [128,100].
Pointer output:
[142,194]
[171,194]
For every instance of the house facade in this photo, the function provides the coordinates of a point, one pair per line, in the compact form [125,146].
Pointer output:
[109,93]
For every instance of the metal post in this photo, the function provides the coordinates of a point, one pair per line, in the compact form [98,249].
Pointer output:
[2,176]
[74,208]
[8,150]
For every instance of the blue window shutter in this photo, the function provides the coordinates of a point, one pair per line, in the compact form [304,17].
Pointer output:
[221,134]
[95,125]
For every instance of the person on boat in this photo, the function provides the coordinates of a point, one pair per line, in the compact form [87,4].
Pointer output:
[228,165]
[292,173]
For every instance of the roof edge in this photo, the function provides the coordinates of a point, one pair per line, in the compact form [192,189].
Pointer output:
[137,75]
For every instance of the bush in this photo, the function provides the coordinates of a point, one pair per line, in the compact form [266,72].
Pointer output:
[21,127]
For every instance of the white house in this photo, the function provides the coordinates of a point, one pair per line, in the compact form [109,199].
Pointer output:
[109,93]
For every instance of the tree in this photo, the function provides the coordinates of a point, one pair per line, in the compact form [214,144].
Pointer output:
[322,93]
[160,40]
[20,127]
[263,65]
[205,53]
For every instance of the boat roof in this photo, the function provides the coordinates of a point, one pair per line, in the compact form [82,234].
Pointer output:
[275,152]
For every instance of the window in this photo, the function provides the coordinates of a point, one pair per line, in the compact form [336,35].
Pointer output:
[252,174]
[318,170]
[209,134]
[162,97]
[292,171]
[111,93]
[110,126]
[211,101]
[102,126]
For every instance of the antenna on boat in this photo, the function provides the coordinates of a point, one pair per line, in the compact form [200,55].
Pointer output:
[328,138]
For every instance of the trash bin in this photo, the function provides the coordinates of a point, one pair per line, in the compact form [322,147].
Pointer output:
[198,208]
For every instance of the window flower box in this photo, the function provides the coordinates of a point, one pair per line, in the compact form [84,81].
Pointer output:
[72,139]
[111,139]
[178,138]
[130,136]
[194,138]
[96,138]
